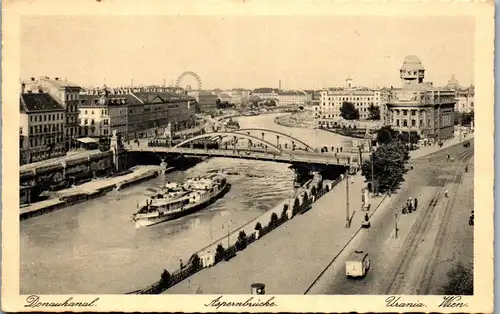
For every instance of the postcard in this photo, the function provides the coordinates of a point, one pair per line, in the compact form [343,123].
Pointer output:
[247,156]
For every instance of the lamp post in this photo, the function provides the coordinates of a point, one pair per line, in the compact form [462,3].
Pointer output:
[373,174]
[396,225]
[347,223]
[227,225]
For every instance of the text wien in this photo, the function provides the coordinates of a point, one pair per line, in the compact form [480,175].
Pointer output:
[251,302]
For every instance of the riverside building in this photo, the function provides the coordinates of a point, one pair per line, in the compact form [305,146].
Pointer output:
[66,95]
[134,112]
[42,126]
[327,112]
[418,106]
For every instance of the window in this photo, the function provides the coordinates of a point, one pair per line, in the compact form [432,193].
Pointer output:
[405,113]
[397,122]
[31,130]
[405,123]
[44,117]
[86,121]
[413,113]
[413,123]
[86,112]
[92,112]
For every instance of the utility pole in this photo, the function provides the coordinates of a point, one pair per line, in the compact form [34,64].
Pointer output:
[347,224]
[396,225]
[373,176]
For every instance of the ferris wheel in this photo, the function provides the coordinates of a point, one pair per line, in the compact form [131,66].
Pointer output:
[189,74]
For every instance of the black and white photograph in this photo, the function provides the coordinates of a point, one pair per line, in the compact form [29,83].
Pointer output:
[248,160]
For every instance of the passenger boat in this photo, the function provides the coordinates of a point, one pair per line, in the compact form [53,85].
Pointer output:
[175,200]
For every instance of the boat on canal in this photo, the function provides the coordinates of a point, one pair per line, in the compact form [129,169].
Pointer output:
[177,200]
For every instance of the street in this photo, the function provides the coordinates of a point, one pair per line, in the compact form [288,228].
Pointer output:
[408,264]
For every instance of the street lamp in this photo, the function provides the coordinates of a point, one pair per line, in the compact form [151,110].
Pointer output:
[347,220]
[227,225]
[373,173]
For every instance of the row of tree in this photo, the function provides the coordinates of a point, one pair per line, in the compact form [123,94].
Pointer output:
[464,118]
[387,163]
[348,111]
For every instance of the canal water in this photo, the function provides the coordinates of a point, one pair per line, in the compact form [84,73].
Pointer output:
[94,247]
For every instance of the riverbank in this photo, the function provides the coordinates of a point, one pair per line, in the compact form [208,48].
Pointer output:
[90,190]
[298,120]
[298,204]
[310,239]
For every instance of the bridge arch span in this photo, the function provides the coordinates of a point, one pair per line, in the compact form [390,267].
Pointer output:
[283,135]
[213,135]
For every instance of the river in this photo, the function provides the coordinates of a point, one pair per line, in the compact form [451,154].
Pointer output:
[93,248]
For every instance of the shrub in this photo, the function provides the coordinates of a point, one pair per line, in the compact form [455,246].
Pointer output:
[165,279]
[274,219]
[284,216]
[220,252]
[241,244]
[285,207]
[258,226]
[195,262]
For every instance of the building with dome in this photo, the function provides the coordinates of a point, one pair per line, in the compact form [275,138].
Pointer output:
[419,107]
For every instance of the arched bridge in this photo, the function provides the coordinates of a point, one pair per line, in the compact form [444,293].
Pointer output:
[240,144]
[272,135]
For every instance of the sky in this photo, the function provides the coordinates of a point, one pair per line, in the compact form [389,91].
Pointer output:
[245,52]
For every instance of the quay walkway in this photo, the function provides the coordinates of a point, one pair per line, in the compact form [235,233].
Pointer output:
[288,259]
[89,188]
[52,161]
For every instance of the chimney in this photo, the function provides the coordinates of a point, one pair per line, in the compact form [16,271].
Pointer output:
[279,85]
[32,79]
[57,79]
[23,87]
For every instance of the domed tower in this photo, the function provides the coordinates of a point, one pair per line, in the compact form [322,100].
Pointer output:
[412,71]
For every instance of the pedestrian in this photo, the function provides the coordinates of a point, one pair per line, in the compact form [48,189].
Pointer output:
[415,202]
[411,166]
[409,205]
[366,217]
[446,193]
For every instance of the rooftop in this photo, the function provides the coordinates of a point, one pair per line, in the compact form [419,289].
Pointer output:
[38,102]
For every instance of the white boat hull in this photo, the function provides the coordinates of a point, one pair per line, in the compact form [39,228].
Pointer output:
[156,218]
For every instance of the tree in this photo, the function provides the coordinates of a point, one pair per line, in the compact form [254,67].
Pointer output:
[195,262]
[219,253]
[241,244]
[461,281]
[258,226]
[165,278]
[374,112]
[384,135]
[388,166]
[274,219]
[348,111]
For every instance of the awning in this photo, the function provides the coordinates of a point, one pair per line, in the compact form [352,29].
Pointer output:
[87,140]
